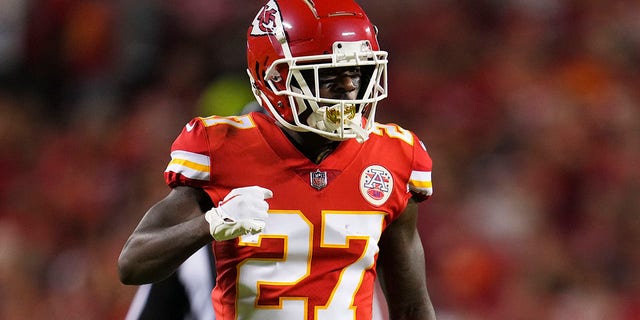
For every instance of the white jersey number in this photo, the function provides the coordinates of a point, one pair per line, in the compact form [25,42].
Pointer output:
[338,227]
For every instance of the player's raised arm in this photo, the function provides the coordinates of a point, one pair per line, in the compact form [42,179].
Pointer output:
[176,227]
[401,262]
[172,230]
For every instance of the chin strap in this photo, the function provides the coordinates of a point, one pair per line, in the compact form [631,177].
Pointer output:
[361,134]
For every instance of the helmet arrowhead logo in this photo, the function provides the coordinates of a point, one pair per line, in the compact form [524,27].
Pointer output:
[267,20]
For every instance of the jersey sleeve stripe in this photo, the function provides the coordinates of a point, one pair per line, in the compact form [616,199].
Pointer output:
[191,156]
[189,164]
[420,181]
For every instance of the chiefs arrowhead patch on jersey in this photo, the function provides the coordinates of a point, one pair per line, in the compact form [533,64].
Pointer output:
[376,184]
[267,20]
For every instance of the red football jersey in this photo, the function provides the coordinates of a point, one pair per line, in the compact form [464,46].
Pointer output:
[315,259]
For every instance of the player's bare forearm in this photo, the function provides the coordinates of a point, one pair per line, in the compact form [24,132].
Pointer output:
[406,290]
[168,234]
[402,266]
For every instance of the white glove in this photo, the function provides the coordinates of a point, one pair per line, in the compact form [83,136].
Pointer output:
[243,211]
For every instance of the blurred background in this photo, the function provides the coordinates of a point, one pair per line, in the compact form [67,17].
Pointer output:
[529,108]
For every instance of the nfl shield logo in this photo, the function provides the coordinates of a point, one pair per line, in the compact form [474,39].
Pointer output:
[318,179]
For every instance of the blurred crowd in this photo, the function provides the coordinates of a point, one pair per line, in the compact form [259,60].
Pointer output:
[529,108]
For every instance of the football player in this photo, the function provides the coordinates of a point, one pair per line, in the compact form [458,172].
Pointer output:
[305,204]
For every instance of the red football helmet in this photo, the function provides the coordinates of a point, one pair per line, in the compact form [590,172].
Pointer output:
[291,41]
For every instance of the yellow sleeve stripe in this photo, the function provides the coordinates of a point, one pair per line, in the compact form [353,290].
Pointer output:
[191,165]
[420,181]
[421,184]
